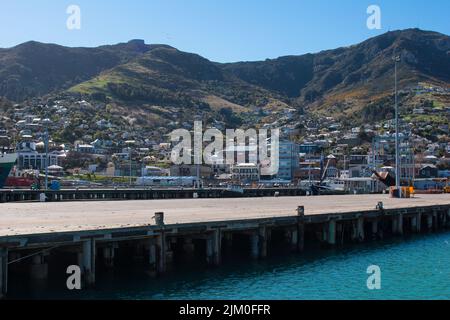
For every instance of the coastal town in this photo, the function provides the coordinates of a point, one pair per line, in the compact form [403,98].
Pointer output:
[86,146]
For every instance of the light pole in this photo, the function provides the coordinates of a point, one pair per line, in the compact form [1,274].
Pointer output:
[130,163]
[397,136]
[46,158]
[129,156]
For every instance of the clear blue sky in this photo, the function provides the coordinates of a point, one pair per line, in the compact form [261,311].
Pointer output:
[220,30]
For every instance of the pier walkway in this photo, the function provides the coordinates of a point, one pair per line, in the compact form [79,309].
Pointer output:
[34,218]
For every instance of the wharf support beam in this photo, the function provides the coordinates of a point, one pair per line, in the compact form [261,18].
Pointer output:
[254,245]
[263,235]
[397,224]
[416,223]
[214,248]
[358,230]
[374,228]
[331,232]
[3,272]
[259,240]
[161,245]
[301,228]
[38,267]
[86,261]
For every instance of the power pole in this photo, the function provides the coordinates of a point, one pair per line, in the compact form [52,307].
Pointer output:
[129,156]
[397,136]
[46,158]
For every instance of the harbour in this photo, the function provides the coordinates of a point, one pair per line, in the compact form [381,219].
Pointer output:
[161,235]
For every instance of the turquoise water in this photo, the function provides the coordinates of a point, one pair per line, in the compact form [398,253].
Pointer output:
[414,268]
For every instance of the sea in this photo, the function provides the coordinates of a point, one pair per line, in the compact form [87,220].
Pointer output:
[416,267]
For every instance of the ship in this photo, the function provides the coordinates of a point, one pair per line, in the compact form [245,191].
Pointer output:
[7,161]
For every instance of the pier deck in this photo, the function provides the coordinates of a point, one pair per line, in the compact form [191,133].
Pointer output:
[38,218]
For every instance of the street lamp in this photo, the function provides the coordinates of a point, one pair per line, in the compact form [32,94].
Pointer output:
[46,158]
[396,59]
[130,155]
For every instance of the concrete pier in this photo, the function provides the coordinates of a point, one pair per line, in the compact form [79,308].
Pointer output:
[81,230]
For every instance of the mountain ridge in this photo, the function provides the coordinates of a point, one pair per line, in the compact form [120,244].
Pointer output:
[136,74]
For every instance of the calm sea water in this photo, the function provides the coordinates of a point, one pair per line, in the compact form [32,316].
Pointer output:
[414,268]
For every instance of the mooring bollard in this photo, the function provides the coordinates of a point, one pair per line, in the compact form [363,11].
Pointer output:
[301,210]
[159,218]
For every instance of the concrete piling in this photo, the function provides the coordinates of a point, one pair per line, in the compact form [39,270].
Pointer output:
[400,224]
[254,245]
[444,219]
[416,223]
[161,266]
[3,272]
[188,246]
[38,267]
[292,236]
[217,247]
[210,250]
[332,232]
[324,233]
[152,254]
[435,220]
[448,218]
[263,241]
[360,229]
[228,237]
[430,222]
[87,261]
[301,228]
[108,256]
[214,248]
[375,228]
